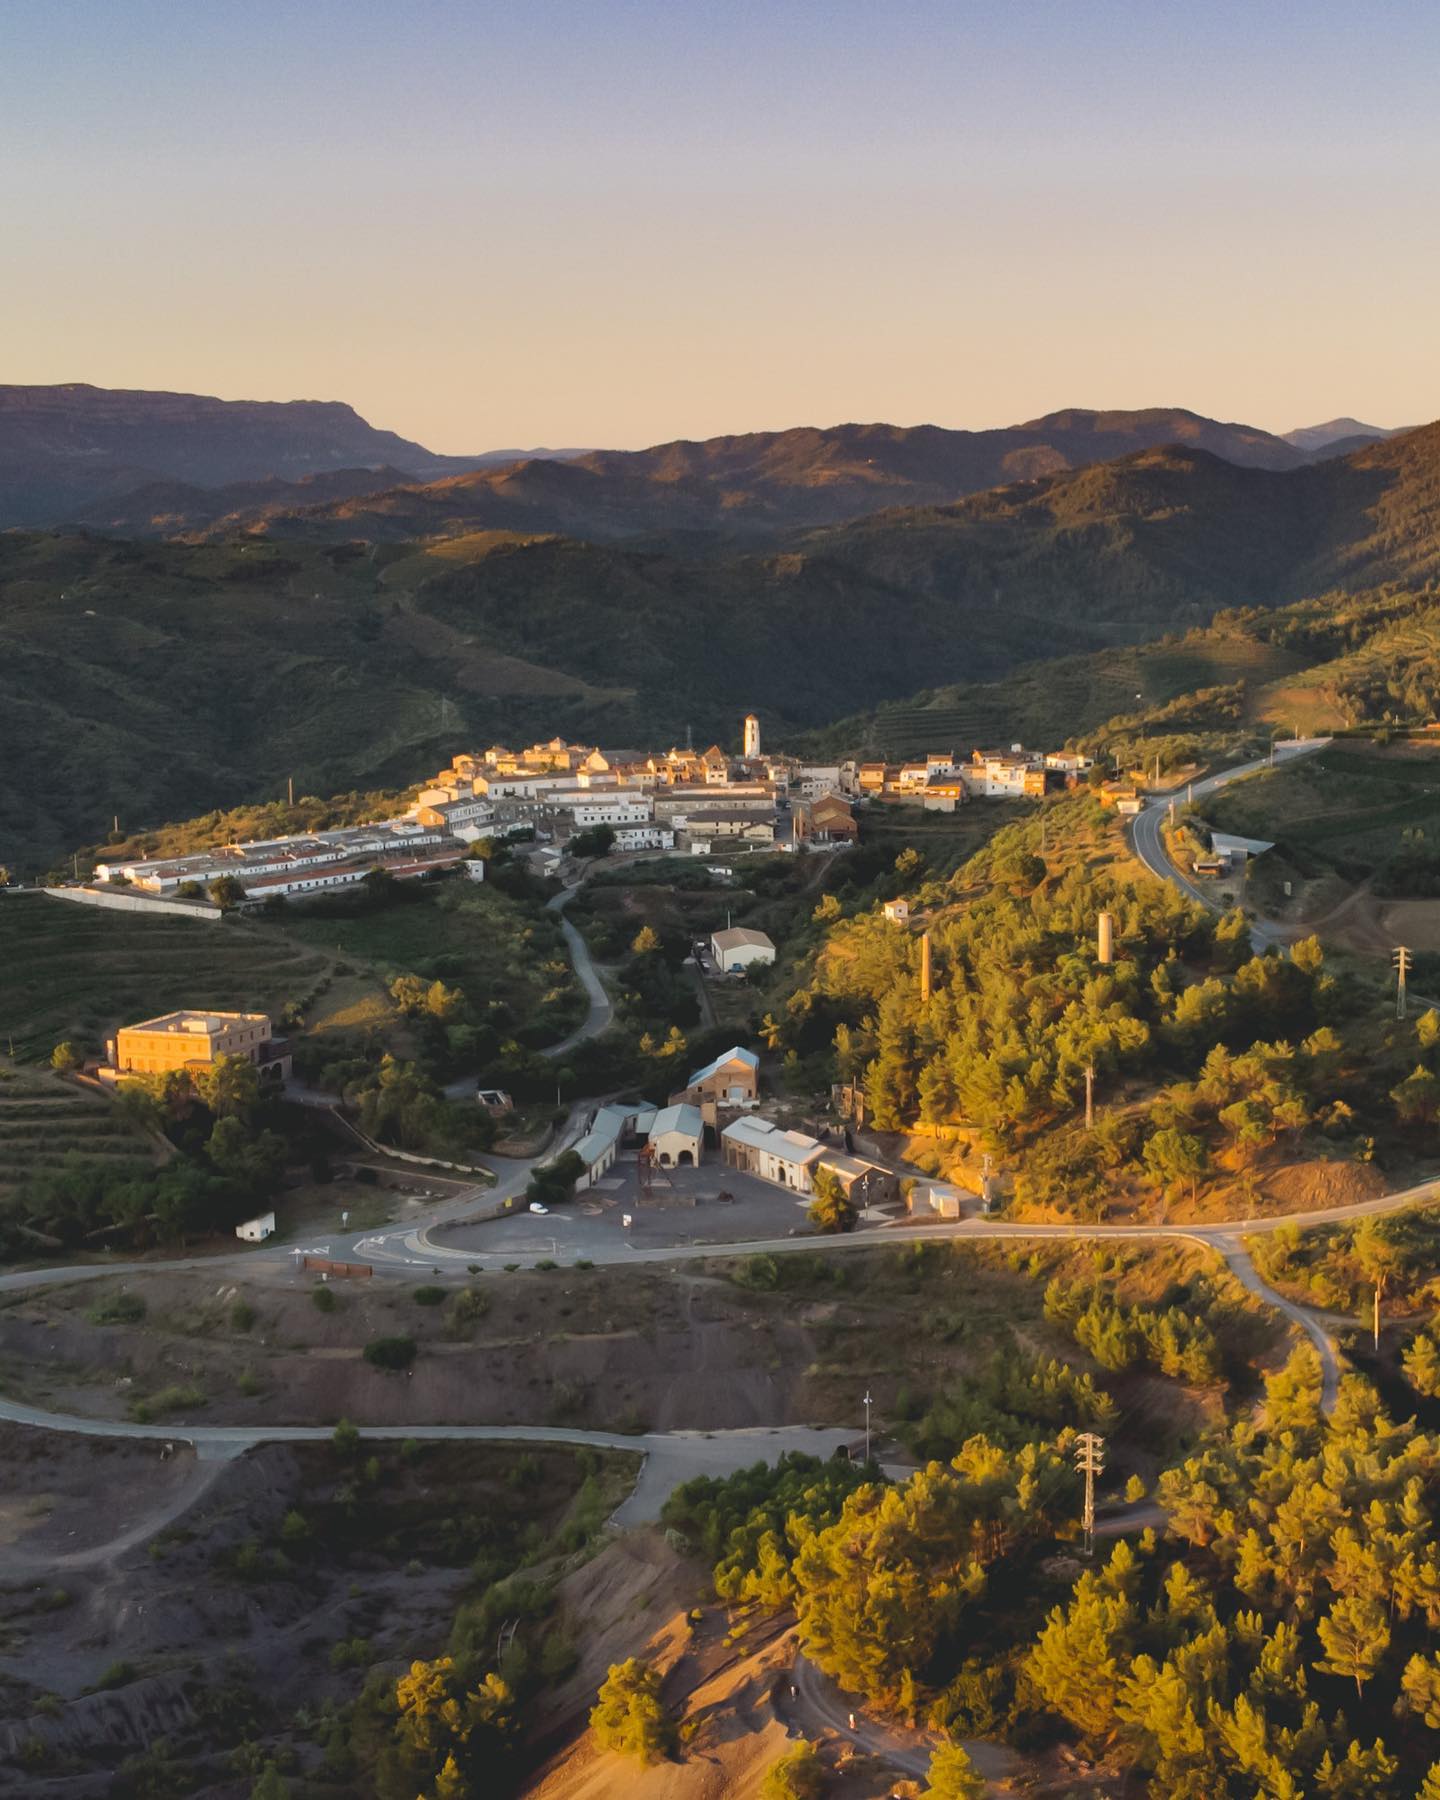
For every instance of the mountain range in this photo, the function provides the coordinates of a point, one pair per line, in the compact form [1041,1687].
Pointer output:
[159,679]
[142,464]
[722,491]
[71,449]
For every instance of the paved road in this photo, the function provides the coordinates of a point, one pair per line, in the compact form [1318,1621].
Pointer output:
[820,1703]
[601,1011]
[670,1456]
[1149,844]
[596,1020]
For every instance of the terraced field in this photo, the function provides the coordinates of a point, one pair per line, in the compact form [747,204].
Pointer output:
[77,972]
[44,1119]
[1063,699]
[1353,805]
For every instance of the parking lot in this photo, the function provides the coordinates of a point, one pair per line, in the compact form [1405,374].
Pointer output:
[683,1206]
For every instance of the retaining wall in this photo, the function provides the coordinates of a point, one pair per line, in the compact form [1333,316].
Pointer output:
[126,900]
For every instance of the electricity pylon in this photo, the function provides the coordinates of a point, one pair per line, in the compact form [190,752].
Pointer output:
[1089,1462]
[1401,959]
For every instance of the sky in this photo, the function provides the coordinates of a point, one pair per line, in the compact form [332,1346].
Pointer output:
[616,222]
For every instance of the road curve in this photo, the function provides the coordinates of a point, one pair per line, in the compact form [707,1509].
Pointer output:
[670,1457]
[598,1018]
[1148,843]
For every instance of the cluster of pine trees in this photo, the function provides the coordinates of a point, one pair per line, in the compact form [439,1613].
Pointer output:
[1281,1639]
[1206,1058]
[1278,1640]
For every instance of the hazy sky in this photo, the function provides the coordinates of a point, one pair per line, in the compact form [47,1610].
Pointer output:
[618,221]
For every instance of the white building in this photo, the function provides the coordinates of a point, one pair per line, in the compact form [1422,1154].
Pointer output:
[760,1147]
[644,837]
[256,1230]
[897,912]
[676,1136]
[752,738]
[600,1145]
[613,809]
[737,948]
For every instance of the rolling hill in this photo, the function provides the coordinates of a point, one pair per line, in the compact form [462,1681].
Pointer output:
[159,679]
[760,485]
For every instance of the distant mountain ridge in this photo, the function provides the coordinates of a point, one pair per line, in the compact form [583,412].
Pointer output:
[1336,436]
[157,464]
[758,485]
[63,448]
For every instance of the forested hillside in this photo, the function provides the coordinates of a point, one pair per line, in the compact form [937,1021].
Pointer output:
[1217,1072]
[757,485]
[156,680]
[1342,660]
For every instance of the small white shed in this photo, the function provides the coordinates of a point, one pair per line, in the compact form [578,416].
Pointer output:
[256,1230]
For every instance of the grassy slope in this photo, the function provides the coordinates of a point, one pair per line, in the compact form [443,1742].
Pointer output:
[76,972]
[44,1119]
[1348,804]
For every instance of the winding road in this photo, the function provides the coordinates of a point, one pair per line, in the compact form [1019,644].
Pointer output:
[669,1458]
[1148,843]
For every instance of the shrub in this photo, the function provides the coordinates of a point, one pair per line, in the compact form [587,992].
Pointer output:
[429,1296]
[324,1298]
[242,1315]
[176,1398]
[467,1308]
[294,1528]
[117,1309]
[390,1352]
[797,1775]
[628,1715]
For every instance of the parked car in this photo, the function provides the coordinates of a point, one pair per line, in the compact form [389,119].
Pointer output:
[536,1207]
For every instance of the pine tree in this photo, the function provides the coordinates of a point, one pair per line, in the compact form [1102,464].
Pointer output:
[1420,1689]
[1355,1637]
[952,1776]
[628,1715]
[1422,1365]
[797,1775]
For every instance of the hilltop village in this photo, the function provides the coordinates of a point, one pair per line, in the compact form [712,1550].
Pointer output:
[574,800]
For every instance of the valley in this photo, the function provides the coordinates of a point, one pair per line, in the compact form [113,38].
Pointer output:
[697,1162]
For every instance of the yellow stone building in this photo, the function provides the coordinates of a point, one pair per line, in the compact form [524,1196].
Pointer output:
[185,1039]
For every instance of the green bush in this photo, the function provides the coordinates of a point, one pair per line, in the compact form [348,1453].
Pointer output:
[429,1296]
[324,1298]
[797,1775]
[629,1716]
[117,1309]
[390,1352]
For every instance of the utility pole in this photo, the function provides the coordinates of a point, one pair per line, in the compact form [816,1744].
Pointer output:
[1401,960]
[1089,1462]
[1090,1096]
[290,788]
[867,1427]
